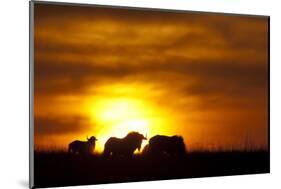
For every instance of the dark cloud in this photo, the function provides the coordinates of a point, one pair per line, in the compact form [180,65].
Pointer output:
[210,77]
[68,12]
[60,125]
[192,30]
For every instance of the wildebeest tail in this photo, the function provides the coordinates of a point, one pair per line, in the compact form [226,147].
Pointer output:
[69,148]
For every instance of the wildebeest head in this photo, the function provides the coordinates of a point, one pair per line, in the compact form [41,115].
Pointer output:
[92,139]
[136,139]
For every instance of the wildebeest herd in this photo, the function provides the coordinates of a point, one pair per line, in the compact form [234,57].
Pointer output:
[164,157]
[159,145]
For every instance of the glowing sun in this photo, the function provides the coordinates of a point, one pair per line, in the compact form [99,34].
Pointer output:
[119,116]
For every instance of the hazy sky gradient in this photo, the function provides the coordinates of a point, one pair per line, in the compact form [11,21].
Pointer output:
[105,71]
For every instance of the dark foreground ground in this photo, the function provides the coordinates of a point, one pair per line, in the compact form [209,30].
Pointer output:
[62,169]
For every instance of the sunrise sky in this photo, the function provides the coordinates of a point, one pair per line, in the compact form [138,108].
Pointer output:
[108,71]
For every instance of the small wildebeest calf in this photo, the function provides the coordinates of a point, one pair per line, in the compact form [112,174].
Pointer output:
[123,147]
[82,147]
[160,145]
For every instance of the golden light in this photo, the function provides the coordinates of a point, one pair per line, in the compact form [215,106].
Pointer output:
[116,117]
[115,110]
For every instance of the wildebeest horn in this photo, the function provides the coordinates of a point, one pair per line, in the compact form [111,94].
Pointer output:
[87,137]
[145,137]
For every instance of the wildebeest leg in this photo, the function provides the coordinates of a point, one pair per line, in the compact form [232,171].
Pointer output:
[128,155]
[106,153]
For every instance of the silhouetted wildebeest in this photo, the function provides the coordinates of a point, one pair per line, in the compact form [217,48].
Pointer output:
[159,145]
[123,146]
[82,147]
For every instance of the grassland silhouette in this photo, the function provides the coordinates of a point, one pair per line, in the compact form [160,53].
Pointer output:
[164,157]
